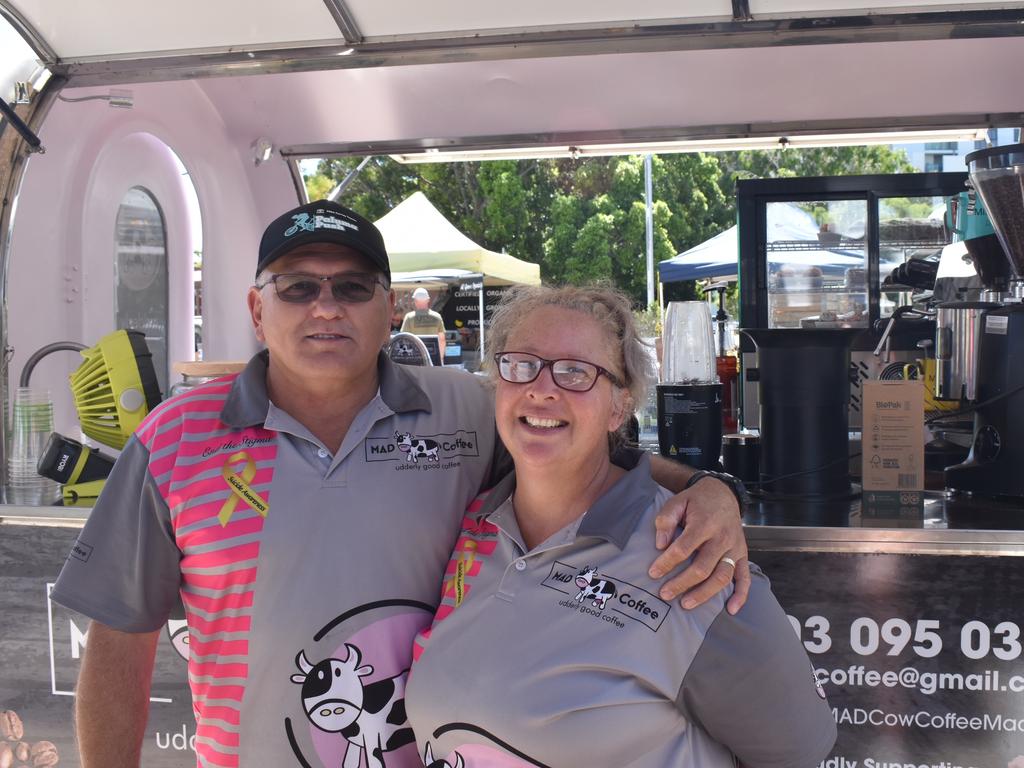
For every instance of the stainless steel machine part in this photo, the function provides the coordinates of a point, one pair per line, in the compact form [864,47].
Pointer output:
[957,336]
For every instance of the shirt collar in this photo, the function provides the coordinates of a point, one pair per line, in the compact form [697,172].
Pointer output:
[248,402]
[399,389]
[612,517]
[616,514]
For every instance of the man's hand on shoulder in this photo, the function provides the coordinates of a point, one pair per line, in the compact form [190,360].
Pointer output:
[708,508]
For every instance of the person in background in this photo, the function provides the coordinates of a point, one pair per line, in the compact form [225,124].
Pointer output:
[397,317]
[423,321]
[303,511]
[551,645]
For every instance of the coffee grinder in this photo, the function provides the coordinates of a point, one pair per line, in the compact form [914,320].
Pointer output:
[969,222]
[980,345]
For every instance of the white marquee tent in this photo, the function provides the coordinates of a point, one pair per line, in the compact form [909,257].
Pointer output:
[421,240]
[426,249]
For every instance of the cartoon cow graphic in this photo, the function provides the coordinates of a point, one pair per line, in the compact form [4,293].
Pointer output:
[593,587]
[417,448]
[430,762]
[177,633]
[371,717]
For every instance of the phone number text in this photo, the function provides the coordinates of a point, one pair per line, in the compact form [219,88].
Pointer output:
[867,636]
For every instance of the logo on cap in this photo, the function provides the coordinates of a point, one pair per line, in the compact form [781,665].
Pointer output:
[302,222]
[305,223]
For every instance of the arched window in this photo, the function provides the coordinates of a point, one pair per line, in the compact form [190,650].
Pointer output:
[140,274]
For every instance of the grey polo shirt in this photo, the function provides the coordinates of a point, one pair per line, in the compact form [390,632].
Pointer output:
[292,563]
[565,656]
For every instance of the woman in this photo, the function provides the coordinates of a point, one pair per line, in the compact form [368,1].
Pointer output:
[551,646]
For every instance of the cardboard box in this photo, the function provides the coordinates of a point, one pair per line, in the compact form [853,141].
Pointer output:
[890,509]
[892,438]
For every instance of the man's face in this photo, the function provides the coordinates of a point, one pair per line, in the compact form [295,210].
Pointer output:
[422,303]
[324,339]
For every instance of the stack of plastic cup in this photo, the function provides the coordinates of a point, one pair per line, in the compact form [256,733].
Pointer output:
[30,429]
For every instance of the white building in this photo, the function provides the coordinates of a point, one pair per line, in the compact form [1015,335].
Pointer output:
[949,155]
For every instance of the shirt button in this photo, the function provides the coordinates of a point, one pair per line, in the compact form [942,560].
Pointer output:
[322,453]
[520,565]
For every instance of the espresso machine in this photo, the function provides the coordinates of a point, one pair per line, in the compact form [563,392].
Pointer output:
[980,345]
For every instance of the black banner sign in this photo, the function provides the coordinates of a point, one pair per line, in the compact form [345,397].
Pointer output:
[920,655]
[463,308]
[40,653]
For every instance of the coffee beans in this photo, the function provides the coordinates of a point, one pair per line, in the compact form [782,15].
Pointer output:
[11,727]
[15,753]
[44,754]
[1003,193]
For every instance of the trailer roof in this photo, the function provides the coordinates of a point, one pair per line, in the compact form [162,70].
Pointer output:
[371,77]
[120,40]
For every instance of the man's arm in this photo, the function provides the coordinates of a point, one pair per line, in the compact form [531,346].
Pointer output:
[752,688]
[713,530]
[112,697]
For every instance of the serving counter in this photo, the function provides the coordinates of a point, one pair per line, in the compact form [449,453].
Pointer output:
[41,644]
[911,617]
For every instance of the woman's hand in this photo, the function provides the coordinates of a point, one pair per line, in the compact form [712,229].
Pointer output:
[712,535]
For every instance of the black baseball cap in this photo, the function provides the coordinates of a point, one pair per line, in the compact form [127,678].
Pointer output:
[322,222]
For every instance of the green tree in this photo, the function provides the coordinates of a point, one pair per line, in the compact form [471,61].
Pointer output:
[584,219]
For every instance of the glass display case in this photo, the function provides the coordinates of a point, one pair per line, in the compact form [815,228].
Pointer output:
[816,264]
[815,254]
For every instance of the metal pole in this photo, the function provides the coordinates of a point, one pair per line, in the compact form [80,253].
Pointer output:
[481,345]
[649,224]
[339,190]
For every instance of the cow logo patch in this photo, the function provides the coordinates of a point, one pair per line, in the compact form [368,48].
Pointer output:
[610,599]
[347,704]
[416,448]
[369,716]
[421,452]
[593,588]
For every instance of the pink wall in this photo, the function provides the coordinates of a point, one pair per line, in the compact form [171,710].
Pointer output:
[62,251]
[610,92]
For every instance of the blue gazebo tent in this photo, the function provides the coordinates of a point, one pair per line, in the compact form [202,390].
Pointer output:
[719,255]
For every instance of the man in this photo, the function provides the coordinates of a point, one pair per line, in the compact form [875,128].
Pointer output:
[304,511]
[424,321]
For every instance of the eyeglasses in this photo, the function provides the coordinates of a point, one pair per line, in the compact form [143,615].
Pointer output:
[573,375]
[348,287]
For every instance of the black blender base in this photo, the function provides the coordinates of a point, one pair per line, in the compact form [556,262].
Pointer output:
[852,492]
[989,480]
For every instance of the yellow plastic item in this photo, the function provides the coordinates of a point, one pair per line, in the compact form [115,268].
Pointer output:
[924,370]
[115,387]
[82,494]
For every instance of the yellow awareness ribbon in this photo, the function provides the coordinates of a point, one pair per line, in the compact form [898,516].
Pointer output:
[465,562]
[239,484]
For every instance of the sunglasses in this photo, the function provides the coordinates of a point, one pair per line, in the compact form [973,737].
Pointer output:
[347,287]
[573,375]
